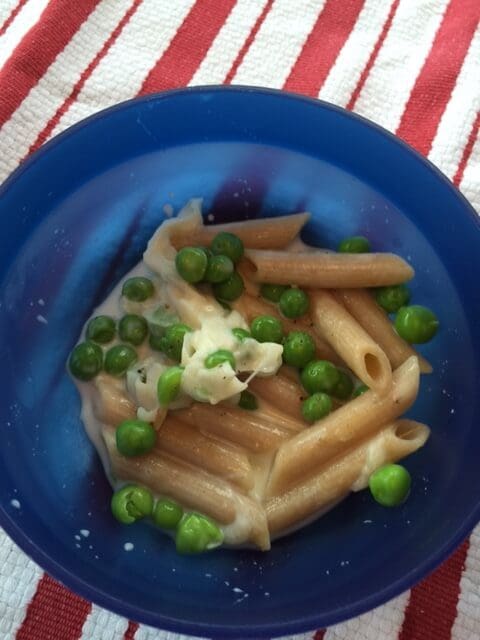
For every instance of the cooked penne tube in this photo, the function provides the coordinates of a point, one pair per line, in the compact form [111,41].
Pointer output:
[195,489]
[213,455]
[263,233]
[244,268]
[245,428]
[356,348]
[375,321]
[251,307]
[342,428]
[283,393]
[111,404]
[328,270]
[348,472]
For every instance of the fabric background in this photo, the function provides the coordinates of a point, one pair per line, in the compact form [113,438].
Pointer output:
[412,66]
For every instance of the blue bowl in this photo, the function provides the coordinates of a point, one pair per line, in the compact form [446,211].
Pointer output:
[76,216]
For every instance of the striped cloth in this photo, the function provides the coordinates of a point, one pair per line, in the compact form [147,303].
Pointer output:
[413,66]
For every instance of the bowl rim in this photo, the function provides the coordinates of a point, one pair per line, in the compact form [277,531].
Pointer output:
[313,620]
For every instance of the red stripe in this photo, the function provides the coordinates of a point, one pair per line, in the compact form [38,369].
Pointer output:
[13,14]
[437,78]
[54,612]
[189,46]
[326,40]
[319,635]
[374,54]
[248,42]
[54,120]
[131,631]
[432,608]
[467,152]
[38,49]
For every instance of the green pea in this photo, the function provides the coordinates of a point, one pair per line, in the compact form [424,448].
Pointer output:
[138,289]
[119,358]
[272,292]
[173,340]
[355,244]
[101,329]
[220,357]
[219,269]
[267,329]
[131,503]
[229,290]
[241,334]
[157,343]
[316,406]
[390,485]
[298,349]
[320,375]
[344,387]
[227,244]
[167,514]
[191,263]
[248,401]
[196,534]
[392,298]
[168,385]
[135,437]
[416,324]
[359,391]
[86,360]
[294,303]
[133,328]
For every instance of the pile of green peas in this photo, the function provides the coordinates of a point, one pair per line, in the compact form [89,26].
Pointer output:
[416,324]
[194,532]
[215,265]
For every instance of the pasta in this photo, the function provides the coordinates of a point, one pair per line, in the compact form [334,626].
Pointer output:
[356,348]
[230,412]
[326,270]
[376,323]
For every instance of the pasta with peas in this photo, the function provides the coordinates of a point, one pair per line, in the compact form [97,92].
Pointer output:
[236,387]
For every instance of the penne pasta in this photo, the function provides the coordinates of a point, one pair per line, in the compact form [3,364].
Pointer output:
[245,428]
[375,321]
[213,455]
[341,429]
[252,307]
[244,268]
[349,472]
[193,488]
[328,270]
[111,404]
[356,348]
[262,233]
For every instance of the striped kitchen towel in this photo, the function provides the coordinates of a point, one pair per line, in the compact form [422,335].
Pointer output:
[413,66]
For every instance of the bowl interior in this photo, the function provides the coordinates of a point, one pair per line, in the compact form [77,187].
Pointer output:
[78,216]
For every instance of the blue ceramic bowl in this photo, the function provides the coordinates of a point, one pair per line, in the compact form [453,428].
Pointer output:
[77,215]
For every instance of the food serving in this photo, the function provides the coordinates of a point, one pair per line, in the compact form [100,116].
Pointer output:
[238,383]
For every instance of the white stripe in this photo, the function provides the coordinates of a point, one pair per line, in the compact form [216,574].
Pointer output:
[120,74]
[103,625]
[408,42]
[23,22]
[460,114]
[279,43]
[352,59]
[18,133]
[470,184]
[6,8]
[230,39]
[467,622]
[149,633]
[19,577]
[379,624]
